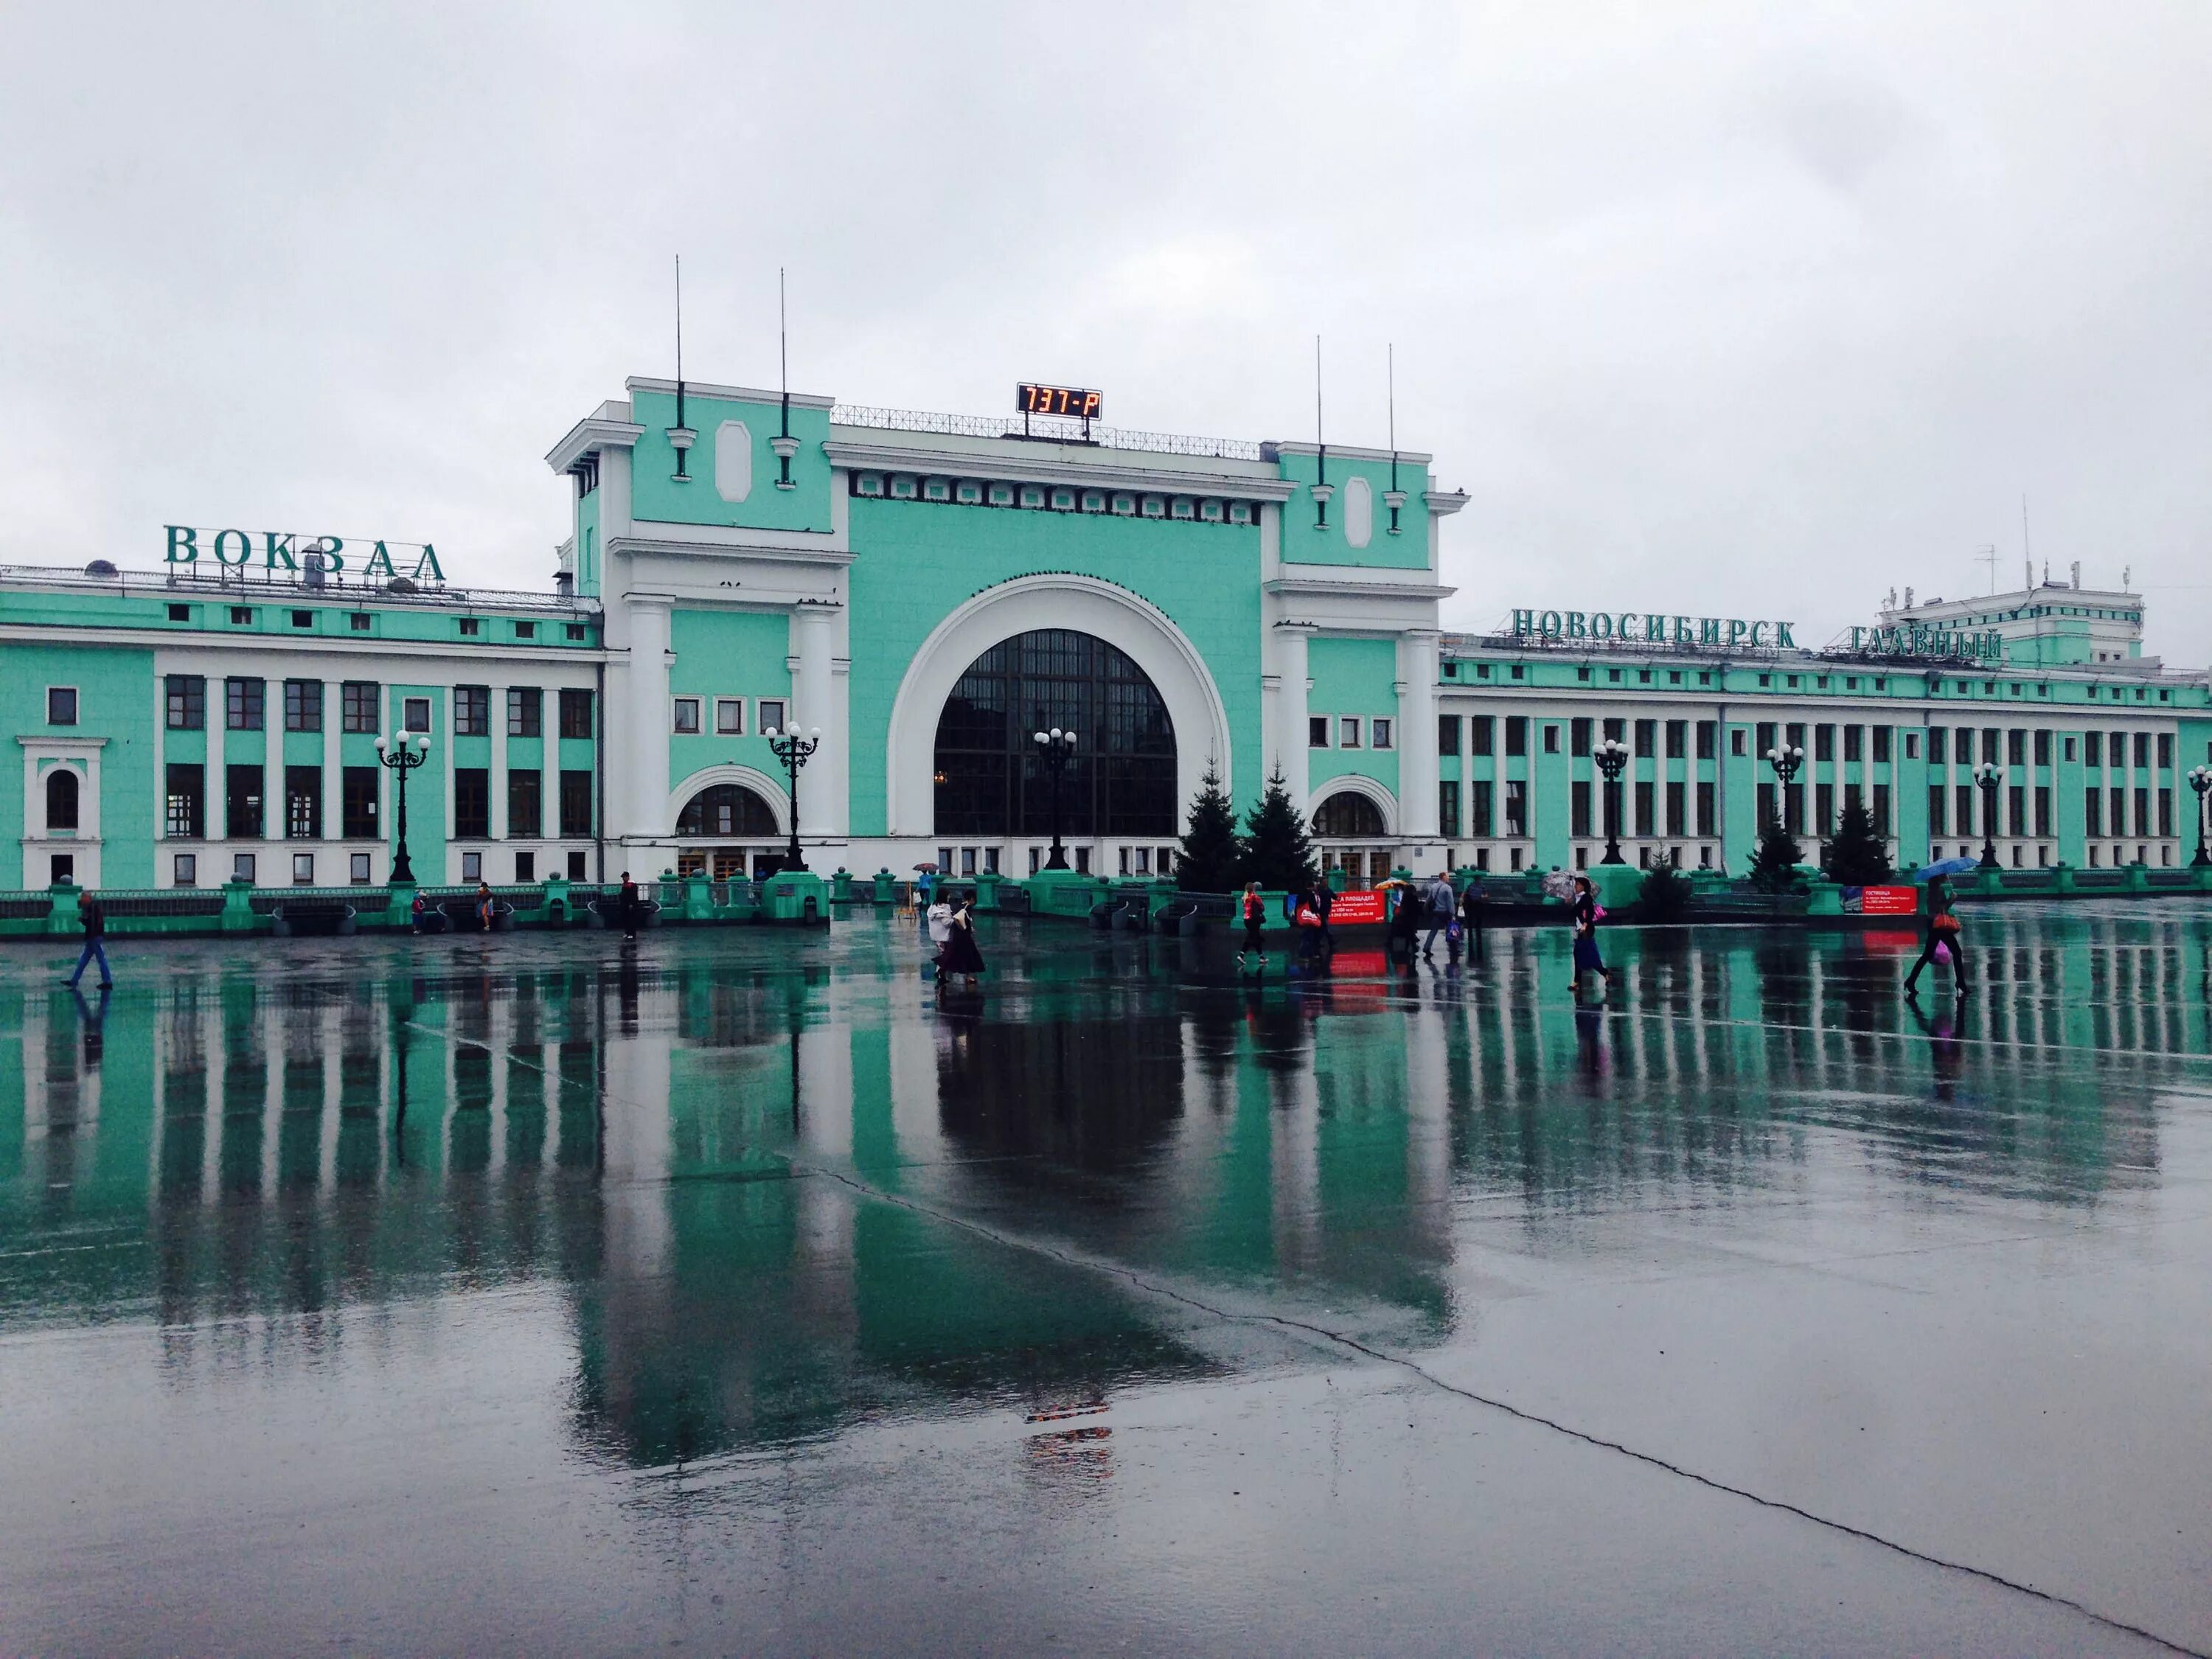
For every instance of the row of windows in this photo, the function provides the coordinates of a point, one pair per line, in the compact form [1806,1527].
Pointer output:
[1379,731]
[246,811]
[184,867]
[1678,676]
[1952,810]
[362,622]
[360,705]
[729,716]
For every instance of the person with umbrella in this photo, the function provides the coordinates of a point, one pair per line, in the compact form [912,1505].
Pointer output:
[1942,924]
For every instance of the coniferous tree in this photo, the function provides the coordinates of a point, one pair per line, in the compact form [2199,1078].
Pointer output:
[1665,895]
[1857,857]
[1212,856]
[1774,864]
[1277,854]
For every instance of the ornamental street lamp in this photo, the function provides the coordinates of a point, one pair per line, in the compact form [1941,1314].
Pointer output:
[1785,759]
[1611,757]
[2200,780]
[1055,748]
[403,757]
[792,748]
[1989,774]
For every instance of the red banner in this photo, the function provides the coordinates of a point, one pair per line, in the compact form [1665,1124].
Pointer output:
[1889,901]
[1355,909]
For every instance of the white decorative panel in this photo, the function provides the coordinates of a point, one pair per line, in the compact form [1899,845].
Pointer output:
[1359,511]
[733,461]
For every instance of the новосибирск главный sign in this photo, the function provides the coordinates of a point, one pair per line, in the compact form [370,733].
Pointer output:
[1734,633]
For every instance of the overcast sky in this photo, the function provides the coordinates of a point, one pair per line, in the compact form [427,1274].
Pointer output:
[1747,310]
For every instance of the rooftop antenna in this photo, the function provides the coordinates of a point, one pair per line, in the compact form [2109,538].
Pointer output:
[680,434]
[2027,548]
[1321,491]
[783,443]
[1987,554]
[1396,498]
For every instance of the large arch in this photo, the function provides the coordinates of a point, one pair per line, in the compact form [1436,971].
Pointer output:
[768,789]
[1026,605]
[1352,783]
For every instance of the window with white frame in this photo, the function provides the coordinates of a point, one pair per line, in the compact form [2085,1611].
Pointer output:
[1378,730]
[729,717]
[61,705]
[1316,731]
[361,869]
[472,867]
[771,714]
[185,869]
[1347,731]
[687,717]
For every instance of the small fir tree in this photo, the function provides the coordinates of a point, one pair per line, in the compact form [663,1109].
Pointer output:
[1774,864]
[1277,854]
[1665,895]
[1857,857]
[1211,855]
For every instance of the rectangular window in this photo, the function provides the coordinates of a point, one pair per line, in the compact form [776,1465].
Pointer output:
[472,867]
[359,702]
[243,702]
[2143,755]
[241,814]
[1964,795]
[186,801]
[188,702]
[1966,748]
[241,867]
[472,711]
[576,711]
[61,705]
[358,621]
[1347,731]
[1824,804]
[1678,740]
[1938,745]
[2043,808]
[1678,809]
[303,803]
[1882,745]
[526,712]
[1447,734]
[303,864]
[185,869]
[2164,751]
[1578,808]
[1516,808]
[472,803]
[1316,729]
[1479,731]
[2016,747]
[1616,731]
[1735,740]
[1824,743]
[1517,734]
[525,805]
[1378,733]
[2166,811]
[526,866]
[1882,810]
[472,627]
[1708,815]
[2093,811]
[1854,743]
[2017,800]
[1938,804]
[303,705]
[415,714]
[1646,810]
[1766,737]
[685,721]
[1647,738]
[1479,820]
[2092,749]
[357,802]
[1767,797]
[729,717]
[1551,738]
[772,720]
[2119,797]
[1708,739]
[575,803]
[1448,809]
[1992,744]
[525,631]
[1578,736]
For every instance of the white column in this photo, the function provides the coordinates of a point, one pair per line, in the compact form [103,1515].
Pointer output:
[333,791]
[1291,700]
[638,808]
[495,786]
[1417,732]
[813,703]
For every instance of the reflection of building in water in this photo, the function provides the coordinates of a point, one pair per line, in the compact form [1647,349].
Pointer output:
[237,1148]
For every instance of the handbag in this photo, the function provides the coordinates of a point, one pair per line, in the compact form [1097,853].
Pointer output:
[1452,934]
[1946,924]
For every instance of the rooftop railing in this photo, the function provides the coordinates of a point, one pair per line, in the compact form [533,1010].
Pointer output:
[1048,428]
[280,588]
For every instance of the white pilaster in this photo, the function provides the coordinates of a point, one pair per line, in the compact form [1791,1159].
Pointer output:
[1417,732]
[1290,701]
[639,805]
[822,793]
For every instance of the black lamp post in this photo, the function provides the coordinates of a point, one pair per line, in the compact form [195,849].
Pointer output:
[2200,780]
[1612,758]
[1055,748]
[1785,758]
[403,757]
[1988,775]
[792,748]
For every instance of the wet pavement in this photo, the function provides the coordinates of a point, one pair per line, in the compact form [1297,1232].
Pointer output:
[739,1294]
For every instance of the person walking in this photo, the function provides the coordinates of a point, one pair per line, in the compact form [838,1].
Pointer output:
[95,922]
[1942,934]
[925,883]
[418,912]
[1442,903]
[962,954]
[487,907]
[1470,917]
[1586,914]
[626,906]
[1254,911]
[1325,901]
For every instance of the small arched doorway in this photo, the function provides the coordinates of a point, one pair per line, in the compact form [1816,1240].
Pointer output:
[1350,835]
[728,812]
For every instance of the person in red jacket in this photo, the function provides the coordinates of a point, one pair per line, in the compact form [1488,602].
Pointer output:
[1255,910]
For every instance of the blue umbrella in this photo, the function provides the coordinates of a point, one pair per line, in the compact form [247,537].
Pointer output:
[1946,867]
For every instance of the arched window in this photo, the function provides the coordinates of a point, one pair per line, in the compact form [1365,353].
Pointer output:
[727,809]
[991,780]
[61,798]
[1346,814]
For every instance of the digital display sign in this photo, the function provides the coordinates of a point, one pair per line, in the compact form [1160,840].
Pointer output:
[1032,398]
